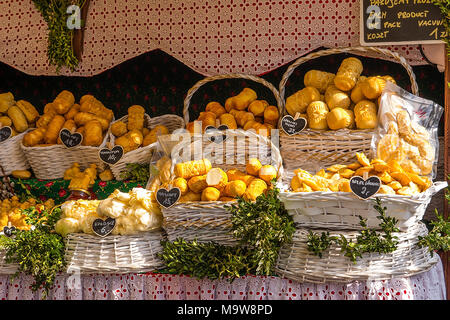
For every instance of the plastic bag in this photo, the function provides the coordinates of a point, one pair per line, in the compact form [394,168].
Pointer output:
[407,131]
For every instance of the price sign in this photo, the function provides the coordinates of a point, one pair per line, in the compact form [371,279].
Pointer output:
[103,227]
[111,156]
[8,230]
[5,133]
[384,22]
[292,126]
[168,198]
[219,137]
[365,188]
[69,139]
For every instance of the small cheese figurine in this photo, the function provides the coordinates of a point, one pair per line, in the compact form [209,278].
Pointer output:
[317,112]
[348,73]
[366,115]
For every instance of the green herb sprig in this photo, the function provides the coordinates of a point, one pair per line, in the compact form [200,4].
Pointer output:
[368,240]
[205,260]
[60,48]
[38,252]
[264,226]
[135,172]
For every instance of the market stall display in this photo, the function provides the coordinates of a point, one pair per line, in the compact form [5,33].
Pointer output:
[341,108]
[128,239]
[201,212]
[242,111]
[16,118]
[90,118]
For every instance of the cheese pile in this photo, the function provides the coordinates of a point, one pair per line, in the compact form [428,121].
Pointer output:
[133,211]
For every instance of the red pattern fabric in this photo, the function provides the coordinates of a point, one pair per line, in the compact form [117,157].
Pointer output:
[211,37]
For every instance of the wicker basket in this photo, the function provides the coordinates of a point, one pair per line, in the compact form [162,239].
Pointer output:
[341,210]
[51,162]
[296,262]
[312,149]
[209,220]
[7,268]
[143,155]
[11,155]
[200,83]
[113,254]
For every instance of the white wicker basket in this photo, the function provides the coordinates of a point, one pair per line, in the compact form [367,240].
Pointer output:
[51,162]
[113,254]
[312,149]
[341,210]
[7,268]
[296,262]
[209,220]
[143,155]
[11,155]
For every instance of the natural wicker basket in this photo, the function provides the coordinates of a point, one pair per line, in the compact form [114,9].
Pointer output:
[209,220]
[312,149]
[143,155]
[341,210]
[51,162]
[297,263]
[11,155]
[204,81]
[113,254]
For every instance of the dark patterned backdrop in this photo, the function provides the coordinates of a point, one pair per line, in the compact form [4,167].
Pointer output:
[159,82]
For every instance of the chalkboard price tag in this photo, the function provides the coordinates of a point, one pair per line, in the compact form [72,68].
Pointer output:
[365,188]
[103,227]
[385,22]
[111,156]
[219,137]
[293,126]
[168,198]
[5,133]
[69,139]
[8,231]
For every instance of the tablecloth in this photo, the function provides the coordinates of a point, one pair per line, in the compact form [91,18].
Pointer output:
[429,285]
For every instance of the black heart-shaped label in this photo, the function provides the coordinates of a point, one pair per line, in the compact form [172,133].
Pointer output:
[364,189]
[8,231]
[5,133]
[168,198]
[217,138]
[103,227]
[111,156]
[69,139]
[293,126]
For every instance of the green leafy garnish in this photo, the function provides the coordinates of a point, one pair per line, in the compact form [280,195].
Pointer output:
[60,49]
[368,240]
[205,260]
[264,226]
[135,172]
[38,252]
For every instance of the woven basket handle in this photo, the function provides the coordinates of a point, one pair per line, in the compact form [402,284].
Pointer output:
[277,160]
[368,50]
[196,86]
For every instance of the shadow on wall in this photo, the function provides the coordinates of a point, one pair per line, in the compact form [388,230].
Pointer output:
[159,82]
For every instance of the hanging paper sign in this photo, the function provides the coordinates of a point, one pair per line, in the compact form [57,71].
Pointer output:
[5,133]
[69,139]
[217,138]
[292,126]
[385,22]
[103,227]
[111,156]
[168,198]
[365,188]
